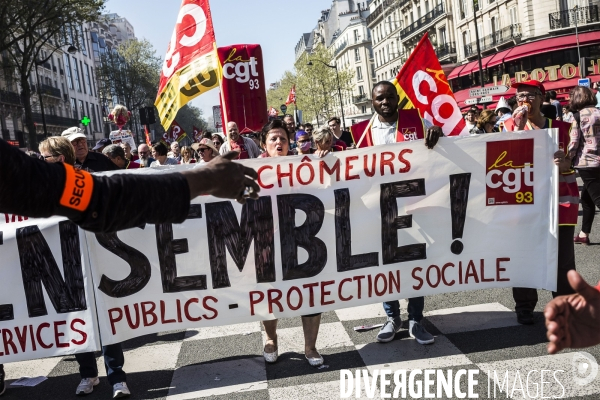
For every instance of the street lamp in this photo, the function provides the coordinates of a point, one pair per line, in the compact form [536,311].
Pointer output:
[71,50]
[310,63]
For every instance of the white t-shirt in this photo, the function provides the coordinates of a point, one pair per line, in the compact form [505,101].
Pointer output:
[385,132]
[169,161]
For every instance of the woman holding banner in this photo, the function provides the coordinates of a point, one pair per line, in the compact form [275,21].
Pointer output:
[275,139]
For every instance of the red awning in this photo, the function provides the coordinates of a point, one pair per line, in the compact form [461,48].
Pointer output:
[552,44]
[528,49]
[456,71]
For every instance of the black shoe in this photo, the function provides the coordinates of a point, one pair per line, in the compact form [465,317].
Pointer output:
[525,317]
[2,386]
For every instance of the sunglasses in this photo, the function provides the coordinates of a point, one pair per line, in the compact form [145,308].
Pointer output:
[202,149]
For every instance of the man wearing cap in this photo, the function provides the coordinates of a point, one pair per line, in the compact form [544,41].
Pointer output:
[86,160]
[235,142]
[528,116]
[101,144]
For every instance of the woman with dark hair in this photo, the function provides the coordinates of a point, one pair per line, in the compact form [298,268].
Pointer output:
[548,109]
[275,139]
[159,153]
[485,122]
[585,147]
[217,141]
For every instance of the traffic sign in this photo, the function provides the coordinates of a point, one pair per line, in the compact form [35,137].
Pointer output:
[488,90]
[481,100]
[85,121]
[584,82]
[283,108]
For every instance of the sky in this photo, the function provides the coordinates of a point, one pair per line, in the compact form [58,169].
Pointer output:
[276,25]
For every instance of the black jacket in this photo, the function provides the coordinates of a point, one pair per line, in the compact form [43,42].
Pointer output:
[33,188]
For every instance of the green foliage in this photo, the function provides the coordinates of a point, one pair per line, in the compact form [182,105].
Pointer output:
[316,86]
[131,73]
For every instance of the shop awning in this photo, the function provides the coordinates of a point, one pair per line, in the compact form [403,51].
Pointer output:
[528,49]
[456,71]
[552,44]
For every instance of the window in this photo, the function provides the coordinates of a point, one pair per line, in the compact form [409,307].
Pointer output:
[356,36]
[87,80]
[76,75]
[419,12]
[81,109]
[426,6]
[82,77]
[356,54]
[359,73]
[442,36]
[513,15]
[69,75]
[361,90]
[74,108]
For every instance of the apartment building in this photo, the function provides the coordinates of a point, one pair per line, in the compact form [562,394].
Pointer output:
[525,39]
[398,25]
[343,30]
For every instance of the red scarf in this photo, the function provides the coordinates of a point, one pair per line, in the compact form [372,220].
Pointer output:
[239,146]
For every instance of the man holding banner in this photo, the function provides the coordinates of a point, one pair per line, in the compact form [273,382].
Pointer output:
[389,125]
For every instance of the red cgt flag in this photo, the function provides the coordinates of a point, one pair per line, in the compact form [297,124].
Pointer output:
[197,134]
[422,84]
[292,96]
[191,65]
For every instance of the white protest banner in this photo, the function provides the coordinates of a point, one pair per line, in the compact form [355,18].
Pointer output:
[46,302]
[357,227]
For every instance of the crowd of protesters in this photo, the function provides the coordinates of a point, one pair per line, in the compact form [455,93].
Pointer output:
[531,108]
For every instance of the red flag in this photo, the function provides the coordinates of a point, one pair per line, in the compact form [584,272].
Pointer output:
[191,64]
[243,89]
[273,112]
[292,96]
[422,84]
[176,133]
[148,141]
[197,134]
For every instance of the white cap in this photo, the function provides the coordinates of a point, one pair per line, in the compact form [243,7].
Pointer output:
[502,104]
[73,133]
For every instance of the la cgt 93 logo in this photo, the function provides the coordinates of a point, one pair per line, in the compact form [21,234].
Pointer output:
[509,172]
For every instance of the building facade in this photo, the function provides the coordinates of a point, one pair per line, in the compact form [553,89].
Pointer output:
[342,29]
[398,25]
[523,39]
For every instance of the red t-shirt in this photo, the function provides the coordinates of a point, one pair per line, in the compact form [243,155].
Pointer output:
[241,147]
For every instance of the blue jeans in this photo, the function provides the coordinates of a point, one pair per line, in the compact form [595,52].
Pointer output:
[113,362]
[415,308]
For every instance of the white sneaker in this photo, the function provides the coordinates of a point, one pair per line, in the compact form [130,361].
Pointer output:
[86,386]
[120,390]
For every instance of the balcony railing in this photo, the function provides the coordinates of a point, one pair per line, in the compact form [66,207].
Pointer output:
[387,3]
[55,120]
[446,49]
[339,49]
[568,18]
[10,98]
[48,90]
[423,21]
[498,38]
[361,98]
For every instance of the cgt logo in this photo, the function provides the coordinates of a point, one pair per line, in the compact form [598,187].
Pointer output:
[409,134]
[509,172]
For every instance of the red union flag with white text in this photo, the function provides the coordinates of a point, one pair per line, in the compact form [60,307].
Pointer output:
[191,64]
[422,84]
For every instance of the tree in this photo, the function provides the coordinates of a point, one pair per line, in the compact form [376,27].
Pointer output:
[317,84]
[277,95]
[130,72]
[39,24]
